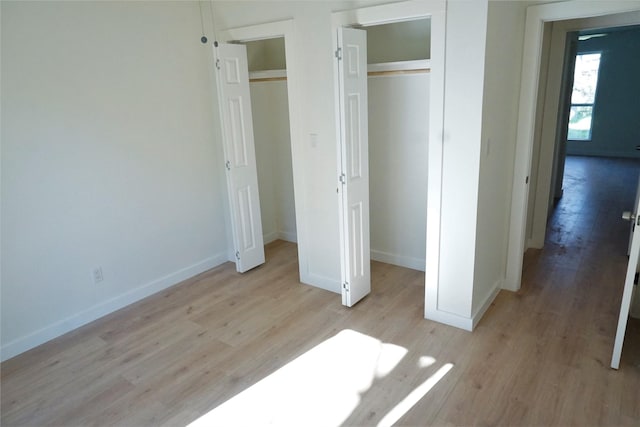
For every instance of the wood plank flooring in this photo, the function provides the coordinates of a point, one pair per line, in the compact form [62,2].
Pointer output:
[539,357]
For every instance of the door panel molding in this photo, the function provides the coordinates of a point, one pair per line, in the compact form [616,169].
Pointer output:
[232,77]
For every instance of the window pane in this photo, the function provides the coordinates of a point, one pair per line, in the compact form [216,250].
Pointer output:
[585,78]
[580,123]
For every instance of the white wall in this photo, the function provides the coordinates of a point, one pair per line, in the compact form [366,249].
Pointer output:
[266,54]
[270,111]
[398,137]
[399,41]
[108,159]
[505,33]
[461,155]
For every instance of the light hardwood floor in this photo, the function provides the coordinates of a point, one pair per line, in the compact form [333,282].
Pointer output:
[539,356]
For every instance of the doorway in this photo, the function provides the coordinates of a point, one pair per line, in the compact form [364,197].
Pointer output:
[436,12]
[382,151]
[398,56]
[531,97]
[270,112]
[609,129]
[538,18]
[595,126]
[285,29]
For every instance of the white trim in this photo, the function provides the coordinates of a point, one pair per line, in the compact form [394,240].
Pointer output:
[388,13]
[435,168]
[450,319]
[418,64]
[536,17]
[400,260]
[84,317]
[497,286]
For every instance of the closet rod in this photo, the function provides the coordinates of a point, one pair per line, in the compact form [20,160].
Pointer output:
[267,79]
[370,74]
[398,72]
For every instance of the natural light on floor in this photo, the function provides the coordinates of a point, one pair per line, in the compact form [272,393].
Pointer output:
[323,386]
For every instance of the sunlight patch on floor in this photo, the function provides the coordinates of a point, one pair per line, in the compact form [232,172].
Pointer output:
[324,386]
[321,387]
[414,397]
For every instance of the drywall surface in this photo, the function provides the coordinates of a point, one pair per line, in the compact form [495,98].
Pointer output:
[615,126]
[267,54]
[464,84]
[399,41]
[270,111]
[505,34]
[398,137]
[108,160]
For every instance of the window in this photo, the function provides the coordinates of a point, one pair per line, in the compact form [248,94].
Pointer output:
[583,96]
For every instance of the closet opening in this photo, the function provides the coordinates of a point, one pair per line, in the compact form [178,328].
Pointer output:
[270,111]
[398,57]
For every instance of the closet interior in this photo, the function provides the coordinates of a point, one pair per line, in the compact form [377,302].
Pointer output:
[398,91]
[270,110]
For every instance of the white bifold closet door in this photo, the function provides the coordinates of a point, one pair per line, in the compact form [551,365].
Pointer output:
[232,77]
[354,165]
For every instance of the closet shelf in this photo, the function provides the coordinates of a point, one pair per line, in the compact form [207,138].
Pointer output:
[267,76]
[420,66]
[401,67]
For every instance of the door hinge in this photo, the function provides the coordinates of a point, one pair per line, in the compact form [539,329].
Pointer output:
[338,53]
[345,286]
[343,178]
[238,255]
[227,165]
[218,64]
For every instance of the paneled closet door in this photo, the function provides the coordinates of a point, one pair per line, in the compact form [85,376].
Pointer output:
[354,165]
[232,77]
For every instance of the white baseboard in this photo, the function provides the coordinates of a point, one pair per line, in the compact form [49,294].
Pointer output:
[270,237]
[288,236]
[402,261]
[466,323]
[450,319]
[321,282]
[280,235]
[61,327]
[497,286]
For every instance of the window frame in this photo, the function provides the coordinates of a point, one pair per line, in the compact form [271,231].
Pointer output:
[595,95]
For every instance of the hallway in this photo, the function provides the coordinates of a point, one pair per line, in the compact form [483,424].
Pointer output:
[583,263]
[570,296]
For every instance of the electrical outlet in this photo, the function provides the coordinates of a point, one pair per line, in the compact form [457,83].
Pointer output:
[97,275]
